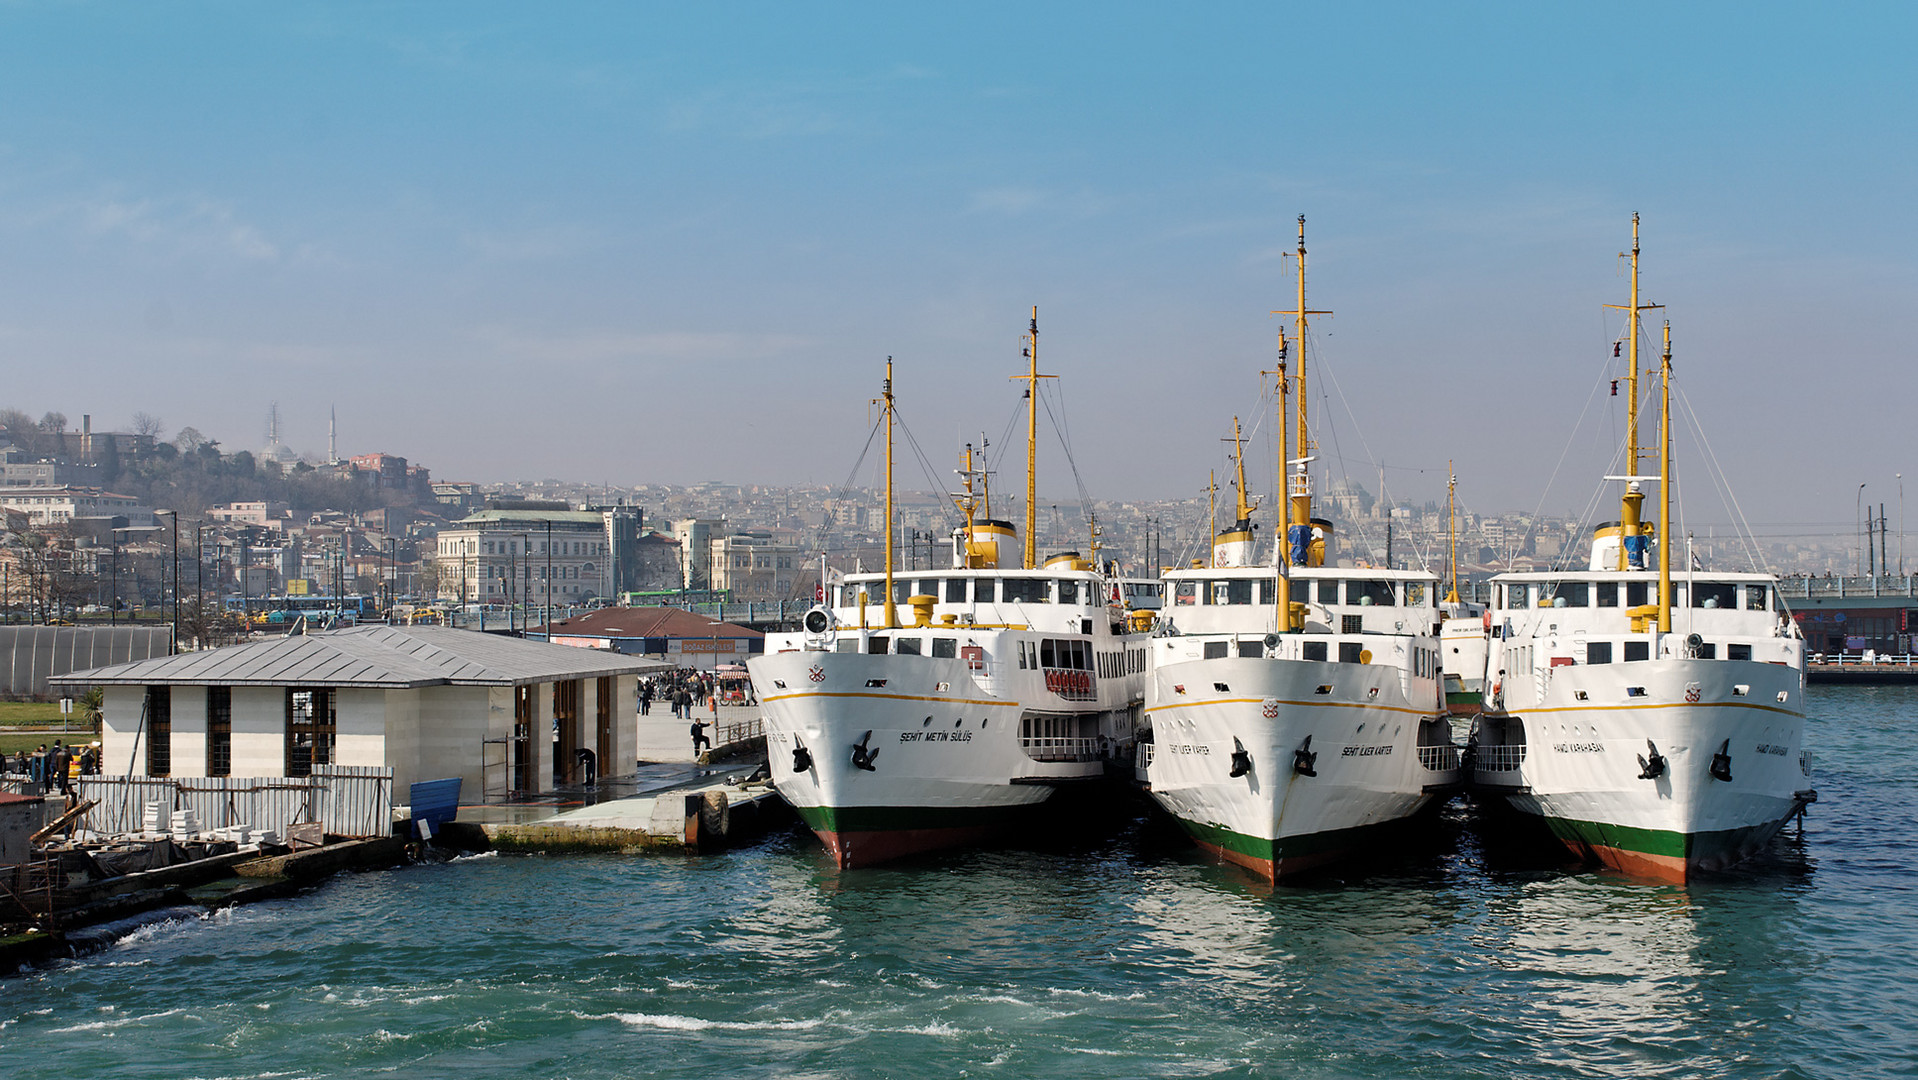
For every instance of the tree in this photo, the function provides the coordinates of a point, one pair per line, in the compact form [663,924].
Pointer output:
[427,581]
[145,423]
[188,440]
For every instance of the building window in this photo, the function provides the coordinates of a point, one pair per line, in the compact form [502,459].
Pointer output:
[310,730]
[159,731]
[219,731]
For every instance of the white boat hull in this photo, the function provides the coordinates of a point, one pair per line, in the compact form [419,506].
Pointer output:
[1579,769]
[1274,820]
[947,765]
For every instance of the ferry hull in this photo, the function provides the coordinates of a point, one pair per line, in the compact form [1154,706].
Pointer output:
[943,754]
[1274,820]
[1580,769]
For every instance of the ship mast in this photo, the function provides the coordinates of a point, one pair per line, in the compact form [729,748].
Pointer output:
[1451,527]
[1629,512]
[885,402]
[1281,555]
[968,503]
[1212,509]
[1238,457]
[1299,516]
[1032,378]
[1665,487]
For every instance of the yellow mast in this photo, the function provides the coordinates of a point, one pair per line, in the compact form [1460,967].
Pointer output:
[1665,487]
[891,610]
[967,502]
[1299,486]
[1451,527]
[1630,513]
[1032,378]
[1282,596]
[1238,457]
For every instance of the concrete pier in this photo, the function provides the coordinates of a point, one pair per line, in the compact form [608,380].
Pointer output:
[667,807]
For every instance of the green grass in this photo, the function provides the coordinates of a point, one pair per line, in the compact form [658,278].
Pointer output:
[30,743]
[33,713]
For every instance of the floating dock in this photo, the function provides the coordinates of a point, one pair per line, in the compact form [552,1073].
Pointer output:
[668,807]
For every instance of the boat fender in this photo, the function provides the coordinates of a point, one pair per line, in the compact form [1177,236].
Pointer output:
[1241,761]
[1653,767]
[1722,762]
[1303,759]
[863,758]
[802,758]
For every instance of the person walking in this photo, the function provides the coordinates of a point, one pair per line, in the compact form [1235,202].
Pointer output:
[682,703]
[645,697]
[62,765]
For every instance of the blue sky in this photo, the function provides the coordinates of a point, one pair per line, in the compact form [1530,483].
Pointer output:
[676,243]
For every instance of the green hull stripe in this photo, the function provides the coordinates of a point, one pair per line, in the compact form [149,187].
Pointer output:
[1290,847]
[855,819]
[1662,842]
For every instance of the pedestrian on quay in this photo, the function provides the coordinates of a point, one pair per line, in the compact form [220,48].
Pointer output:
[682,703]
[645,697]
[62,765]
[699,738]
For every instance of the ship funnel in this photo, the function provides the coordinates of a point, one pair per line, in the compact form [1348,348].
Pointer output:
[991,543]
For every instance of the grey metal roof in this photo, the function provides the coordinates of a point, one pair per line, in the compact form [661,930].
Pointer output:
[375,656]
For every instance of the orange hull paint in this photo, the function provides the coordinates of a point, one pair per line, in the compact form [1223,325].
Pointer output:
[1268,869]
[853,850]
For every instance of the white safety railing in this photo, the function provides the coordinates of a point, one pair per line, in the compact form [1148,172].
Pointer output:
[1439,758]
[1060,748]
[1499,758]
[348,800]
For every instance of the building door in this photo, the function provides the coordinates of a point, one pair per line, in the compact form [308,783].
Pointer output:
[520,750]
[604,721]
[566,732]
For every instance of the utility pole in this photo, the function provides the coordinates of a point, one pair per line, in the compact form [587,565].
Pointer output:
[174,648]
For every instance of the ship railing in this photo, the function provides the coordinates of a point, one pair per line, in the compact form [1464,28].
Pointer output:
[1808,587]
[1439,758]
[1146,753]
[1060,748]
[1867,658]
[1500,758]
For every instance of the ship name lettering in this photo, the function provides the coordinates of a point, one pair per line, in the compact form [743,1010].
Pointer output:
[1578,748]
[1773,749]
[935,736]
[1367,751]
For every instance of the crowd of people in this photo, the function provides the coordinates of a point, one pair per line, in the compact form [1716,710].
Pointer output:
[53,769]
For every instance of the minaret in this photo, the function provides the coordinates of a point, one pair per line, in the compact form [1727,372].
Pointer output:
[332,433]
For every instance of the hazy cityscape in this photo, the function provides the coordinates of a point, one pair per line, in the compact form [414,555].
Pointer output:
[90,509]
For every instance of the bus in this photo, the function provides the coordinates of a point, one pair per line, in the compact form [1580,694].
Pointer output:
[280,610]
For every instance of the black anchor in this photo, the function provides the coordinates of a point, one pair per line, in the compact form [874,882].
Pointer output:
[1651,768]
[1722,762]
[1241,761]
[863,758]
[1303,759]
[802,757]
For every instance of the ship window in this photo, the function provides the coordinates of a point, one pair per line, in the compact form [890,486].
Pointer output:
[1605,594]
[1755,598]
[1636,596]
[1073,592]
[846,644]
[1712,594]
[956,590]
[1598,652]
[1574,593]
[1328,592]
[1026,591]
[877,646]
[1415,594]
[1238,592]
[1371,593]
[1048,653]
[1349,652]
[1252,648]
[1185,592]
[928,586]
[1738,652]
[1214,650]
[1351,624]
[1707,651]
[945,648]
[1313,650]
[906,646]
[1514,596]
[1637,650]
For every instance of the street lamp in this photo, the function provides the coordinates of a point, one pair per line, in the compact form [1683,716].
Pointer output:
[1858,519]
[174,648]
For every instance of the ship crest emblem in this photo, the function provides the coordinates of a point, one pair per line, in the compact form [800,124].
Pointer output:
[1693,692]
[816,673]
[1270,709]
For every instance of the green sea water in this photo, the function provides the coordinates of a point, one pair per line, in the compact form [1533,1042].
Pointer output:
[1114,950]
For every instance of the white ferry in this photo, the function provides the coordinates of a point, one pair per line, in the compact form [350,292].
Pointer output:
[1653,720]
[1297,709]
[893,735]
